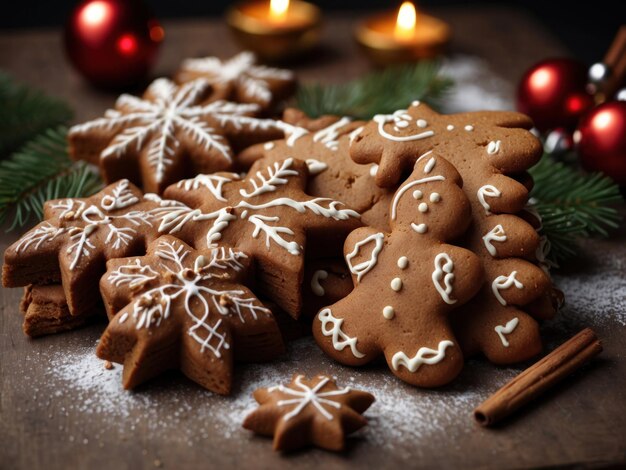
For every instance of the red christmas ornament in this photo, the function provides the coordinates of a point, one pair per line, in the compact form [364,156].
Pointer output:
[601,140]
[112,43]
[553,94]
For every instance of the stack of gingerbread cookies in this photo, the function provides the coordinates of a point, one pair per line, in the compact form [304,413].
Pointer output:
[223,229]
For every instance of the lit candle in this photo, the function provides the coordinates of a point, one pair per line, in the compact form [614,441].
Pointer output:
[403,37]
[275,29]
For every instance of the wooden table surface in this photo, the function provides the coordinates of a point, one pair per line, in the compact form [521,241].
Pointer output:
[60,409]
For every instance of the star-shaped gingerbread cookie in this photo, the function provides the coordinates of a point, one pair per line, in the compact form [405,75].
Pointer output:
[308,412]
[76,238]
[240,79]
[169,134]
[181,308]
[268,215]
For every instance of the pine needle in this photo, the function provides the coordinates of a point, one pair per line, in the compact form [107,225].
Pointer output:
[40,171]
[380,92]
[25,113]
[573,205]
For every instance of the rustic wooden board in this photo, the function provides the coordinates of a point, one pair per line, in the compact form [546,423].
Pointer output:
[59,408]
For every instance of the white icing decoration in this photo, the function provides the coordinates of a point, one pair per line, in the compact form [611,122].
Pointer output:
[469,128]
[241,70]
[487,191]
[417,194]
[403,262]
[421,357]
[435,197]
[496,234]
[339,338]
[493,147]
[430,165]
[450,127]
[419,228]
[373,170]
[329,135]
[398,116]
[396,284]
[214,183]
[354,134]
[309,396]
[201,302]
[507,329]
[406,187]
[423,207]
[415,103]
[364,267]
[316,286]
[443,277]
[269,145]
[268,181]
[389,312]
[421,123]
[504,282]
[315,166]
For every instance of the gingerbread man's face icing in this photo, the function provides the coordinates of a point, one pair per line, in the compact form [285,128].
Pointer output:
[425,204]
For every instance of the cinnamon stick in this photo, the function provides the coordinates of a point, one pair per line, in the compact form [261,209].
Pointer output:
[615,59]
[542,375]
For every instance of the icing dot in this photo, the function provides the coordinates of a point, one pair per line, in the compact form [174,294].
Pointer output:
[415,103]
[244,214]
[435,197]
[420,228]
[269,145]
[421,123]
[402,124]
[388,312]
[396,284]
[469,128]
[417,194]
[423,207]
[373,170]
[450,127]
[403,262]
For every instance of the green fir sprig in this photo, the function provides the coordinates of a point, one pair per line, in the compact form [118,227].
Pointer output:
[573,205]
[39,171]
[25,113]
[379,92]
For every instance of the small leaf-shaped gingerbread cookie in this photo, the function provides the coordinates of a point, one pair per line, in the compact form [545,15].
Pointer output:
[407,282]
[314,411]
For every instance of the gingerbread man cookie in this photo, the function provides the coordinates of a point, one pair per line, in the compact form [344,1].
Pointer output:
[491,151]
[268,215]
[308,411]
[240,79]
[407,281]
[181,308]
[169,134]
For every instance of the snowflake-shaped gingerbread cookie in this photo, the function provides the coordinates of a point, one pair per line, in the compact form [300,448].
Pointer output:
[308,412]
[169,134]
[240,79]
[181,308]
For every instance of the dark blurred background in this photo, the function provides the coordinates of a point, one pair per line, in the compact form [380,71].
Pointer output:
[585,27]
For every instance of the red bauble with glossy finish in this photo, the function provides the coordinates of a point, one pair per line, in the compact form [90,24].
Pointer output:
[112,43]
[601,140]
[553,94]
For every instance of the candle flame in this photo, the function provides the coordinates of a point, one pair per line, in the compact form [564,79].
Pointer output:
[278,9]
[405,24]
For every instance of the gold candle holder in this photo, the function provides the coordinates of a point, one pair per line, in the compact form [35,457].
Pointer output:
[276,29]
[407,36]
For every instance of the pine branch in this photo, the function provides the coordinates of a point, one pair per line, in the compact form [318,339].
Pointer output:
[40,171]
[380,92]
[25,113]
[573,205]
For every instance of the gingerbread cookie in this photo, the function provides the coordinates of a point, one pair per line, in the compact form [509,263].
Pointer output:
[268,215]
[326,281]
[324,145]
[169,134]
[491,151]
[76,238]
[240,79]
[181,308]
[308,412]
[406,282]
[45,311]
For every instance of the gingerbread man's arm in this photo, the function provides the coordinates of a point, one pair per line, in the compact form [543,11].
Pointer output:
[361,250]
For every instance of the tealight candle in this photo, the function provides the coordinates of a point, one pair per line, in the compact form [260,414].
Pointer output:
[403,37]
[277,29]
